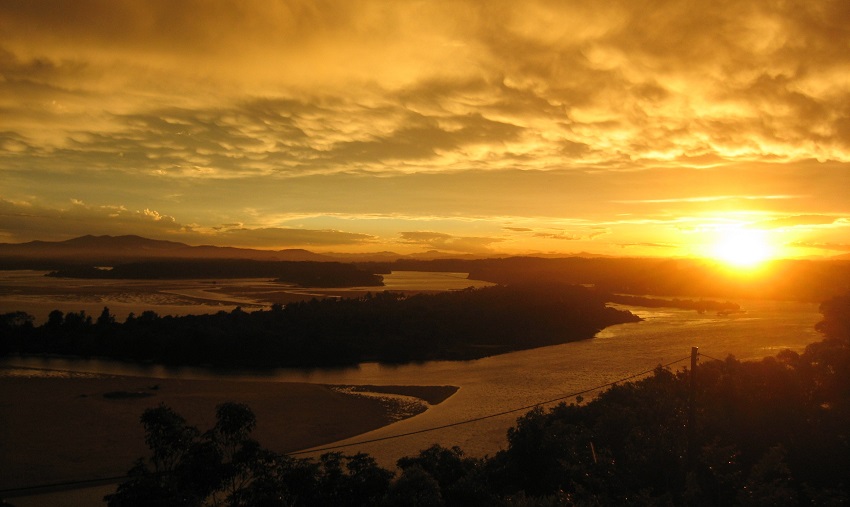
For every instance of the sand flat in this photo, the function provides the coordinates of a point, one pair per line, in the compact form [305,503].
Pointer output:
[64,429]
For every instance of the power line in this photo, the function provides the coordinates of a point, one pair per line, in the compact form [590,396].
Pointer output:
[706,355]
[481,418]
[108,480]
[59,486]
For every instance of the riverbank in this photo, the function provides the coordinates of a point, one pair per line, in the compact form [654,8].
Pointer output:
[65,428]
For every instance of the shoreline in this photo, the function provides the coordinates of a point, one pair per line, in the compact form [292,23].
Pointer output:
[57,430]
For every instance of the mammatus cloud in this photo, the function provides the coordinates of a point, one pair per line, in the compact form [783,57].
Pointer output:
[585,110]
[537,85]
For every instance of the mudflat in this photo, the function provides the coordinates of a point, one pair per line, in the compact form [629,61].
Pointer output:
[55,430]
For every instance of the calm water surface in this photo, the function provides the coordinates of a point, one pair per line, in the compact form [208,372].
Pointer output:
[38,295]
[509,381]
[501,383]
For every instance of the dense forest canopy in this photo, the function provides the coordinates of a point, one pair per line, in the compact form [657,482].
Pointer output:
[387,327]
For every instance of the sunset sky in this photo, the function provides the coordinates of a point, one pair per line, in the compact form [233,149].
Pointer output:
[469,127]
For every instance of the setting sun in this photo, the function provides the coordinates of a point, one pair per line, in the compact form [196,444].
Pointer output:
[421,215]
[743,248]
[428,128]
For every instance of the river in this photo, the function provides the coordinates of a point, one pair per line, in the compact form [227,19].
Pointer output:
[38,295]
[510,381]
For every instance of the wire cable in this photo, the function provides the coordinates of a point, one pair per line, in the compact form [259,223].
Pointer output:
[713,358]
[11,492]
[60,486]
[481,418]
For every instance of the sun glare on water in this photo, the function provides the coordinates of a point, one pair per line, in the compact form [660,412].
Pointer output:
[742,248]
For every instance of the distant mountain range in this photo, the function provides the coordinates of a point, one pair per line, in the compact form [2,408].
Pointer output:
[110,250]
[116,249]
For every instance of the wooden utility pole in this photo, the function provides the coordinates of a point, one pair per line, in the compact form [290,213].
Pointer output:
[692,407]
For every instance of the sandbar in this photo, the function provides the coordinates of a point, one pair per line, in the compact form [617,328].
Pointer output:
[56,430]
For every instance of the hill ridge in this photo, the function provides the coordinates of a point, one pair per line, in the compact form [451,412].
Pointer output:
[105,248]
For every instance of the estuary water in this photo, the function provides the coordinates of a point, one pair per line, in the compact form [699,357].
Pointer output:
[494,391]
[38,295]
[509,383]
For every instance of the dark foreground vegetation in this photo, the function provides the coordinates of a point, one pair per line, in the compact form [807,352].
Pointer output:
[386,327]
[774,432]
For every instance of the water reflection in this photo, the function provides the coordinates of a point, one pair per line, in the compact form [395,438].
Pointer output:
[499,383]
[38,295]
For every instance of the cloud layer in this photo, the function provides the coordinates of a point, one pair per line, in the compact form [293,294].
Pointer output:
[511,126]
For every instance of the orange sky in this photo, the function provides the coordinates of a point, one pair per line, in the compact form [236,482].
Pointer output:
[618,128]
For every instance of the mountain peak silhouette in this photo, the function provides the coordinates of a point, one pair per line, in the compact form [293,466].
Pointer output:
[108,250]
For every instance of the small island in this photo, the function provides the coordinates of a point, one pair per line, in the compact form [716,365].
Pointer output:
[384,327]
